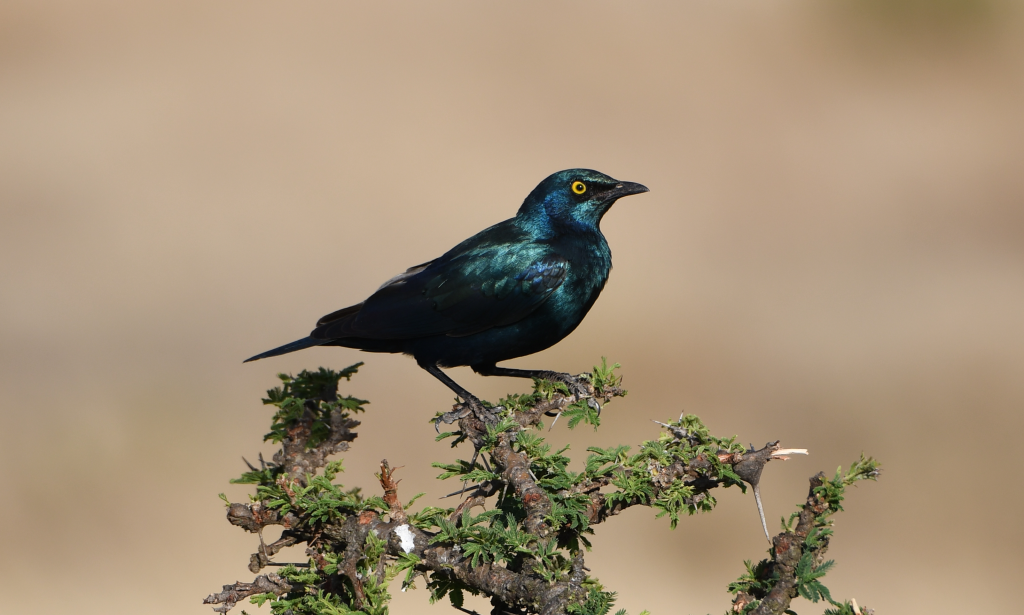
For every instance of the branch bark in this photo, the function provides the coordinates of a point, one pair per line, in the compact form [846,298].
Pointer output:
[789,548]
[512,588]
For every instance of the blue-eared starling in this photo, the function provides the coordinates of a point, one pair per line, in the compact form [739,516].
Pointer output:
[511,290]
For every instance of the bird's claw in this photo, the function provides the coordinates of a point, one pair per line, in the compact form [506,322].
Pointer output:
[458,412]
[488,416]
[474,407]
[577,386]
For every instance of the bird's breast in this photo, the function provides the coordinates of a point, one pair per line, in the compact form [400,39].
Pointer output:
[587,273]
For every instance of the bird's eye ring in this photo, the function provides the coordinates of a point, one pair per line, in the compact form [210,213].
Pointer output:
[579,187]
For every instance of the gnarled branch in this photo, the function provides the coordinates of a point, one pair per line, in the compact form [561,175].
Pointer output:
[357,545]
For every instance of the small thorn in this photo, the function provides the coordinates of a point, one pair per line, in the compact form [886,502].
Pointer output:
[554,421]
[472,466]
[461,491]
[760,511]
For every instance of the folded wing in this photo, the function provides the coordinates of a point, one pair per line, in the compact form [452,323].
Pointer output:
[458,294]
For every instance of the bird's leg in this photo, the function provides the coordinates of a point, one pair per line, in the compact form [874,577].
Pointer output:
[474,403]
[436,372]
[576,387]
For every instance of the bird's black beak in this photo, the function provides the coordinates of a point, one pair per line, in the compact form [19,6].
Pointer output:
[624,189]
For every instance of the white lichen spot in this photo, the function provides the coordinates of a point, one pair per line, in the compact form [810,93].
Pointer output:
[405,535]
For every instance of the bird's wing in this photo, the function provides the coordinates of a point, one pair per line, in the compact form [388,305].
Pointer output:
[354,309]
[459,294]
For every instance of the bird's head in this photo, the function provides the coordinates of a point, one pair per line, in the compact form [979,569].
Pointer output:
[576,198]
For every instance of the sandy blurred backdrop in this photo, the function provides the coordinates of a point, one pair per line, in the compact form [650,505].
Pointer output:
[831,255]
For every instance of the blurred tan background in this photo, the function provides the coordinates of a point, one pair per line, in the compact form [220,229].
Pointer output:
[831,255]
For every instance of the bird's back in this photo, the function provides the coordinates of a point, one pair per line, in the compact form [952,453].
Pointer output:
[505,291]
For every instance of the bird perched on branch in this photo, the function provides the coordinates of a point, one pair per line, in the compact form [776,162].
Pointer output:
[511,290]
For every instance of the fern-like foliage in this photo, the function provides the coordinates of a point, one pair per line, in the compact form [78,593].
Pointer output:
[315,392]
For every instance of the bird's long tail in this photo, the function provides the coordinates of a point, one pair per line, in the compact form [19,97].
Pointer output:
[306,342]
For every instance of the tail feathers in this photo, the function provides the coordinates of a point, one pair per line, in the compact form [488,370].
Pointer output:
[306,342]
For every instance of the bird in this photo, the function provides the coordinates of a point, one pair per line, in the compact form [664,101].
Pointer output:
[513,289]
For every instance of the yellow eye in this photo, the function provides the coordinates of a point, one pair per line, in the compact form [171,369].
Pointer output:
[579,187]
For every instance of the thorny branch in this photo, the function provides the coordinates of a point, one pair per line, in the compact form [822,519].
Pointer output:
[513,589]
[233,594]
[788,548]
[788,551]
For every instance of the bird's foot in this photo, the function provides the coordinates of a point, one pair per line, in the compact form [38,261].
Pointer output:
[470,407]
[580,387]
